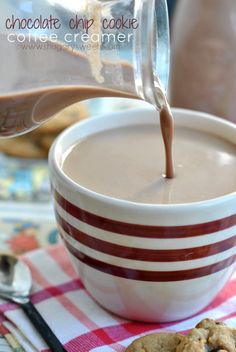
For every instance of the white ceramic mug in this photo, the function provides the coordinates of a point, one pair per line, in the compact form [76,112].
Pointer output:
[154,263]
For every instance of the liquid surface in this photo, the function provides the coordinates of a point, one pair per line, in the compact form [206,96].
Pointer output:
[19,113]
[126,163]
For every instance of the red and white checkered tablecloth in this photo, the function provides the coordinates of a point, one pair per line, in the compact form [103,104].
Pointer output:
[80,323]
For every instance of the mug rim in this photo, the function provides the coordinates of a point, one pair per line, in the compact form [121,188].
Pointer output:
[54,165]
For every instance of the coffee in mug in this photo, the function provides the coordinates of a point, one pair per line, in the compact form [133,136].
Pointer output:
[127,163]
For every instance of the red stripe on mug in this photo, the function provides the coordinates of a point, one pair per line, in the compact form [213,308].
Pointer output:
[148,255]
[146,231]
[151,276]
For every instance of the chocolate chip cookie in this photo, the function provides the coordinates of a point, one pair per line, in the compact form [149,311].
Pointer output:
[208,336]
[163,342]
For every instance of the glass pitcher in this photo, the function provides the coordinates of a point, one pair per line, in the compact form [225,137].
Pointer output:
[58,52]
[203,66]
